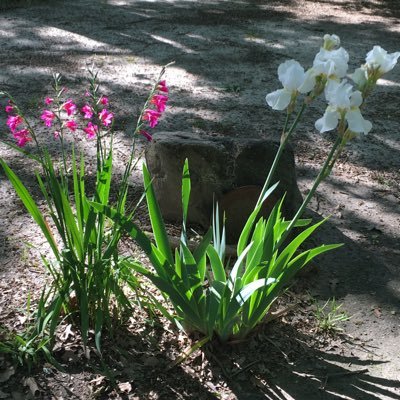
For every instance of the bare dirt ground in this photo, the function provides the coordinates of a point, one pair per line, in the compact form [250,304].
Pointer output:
[226,55]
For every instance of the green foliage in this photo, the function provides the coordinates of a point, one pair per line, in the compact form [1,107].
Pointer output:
[87,273]
[207,295]
[328,316]
[31,345]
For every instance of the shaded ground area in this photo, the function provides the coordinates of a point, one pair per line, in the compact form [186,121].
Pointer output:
[226,55]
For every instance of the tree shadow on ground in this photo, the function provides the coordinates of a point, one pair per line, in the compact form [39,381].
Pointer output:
[276,362]
[279,362]
[160,32]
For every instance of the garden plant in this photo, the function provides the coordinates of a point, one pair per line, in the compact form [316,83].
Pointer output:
[209,294]
[86,270]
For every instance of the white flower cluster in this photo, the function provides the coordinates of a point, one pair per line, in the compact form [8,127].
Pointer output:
[327,75]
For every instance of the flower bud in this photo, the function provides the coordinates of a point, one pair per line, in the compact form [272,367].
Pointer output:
[331,42]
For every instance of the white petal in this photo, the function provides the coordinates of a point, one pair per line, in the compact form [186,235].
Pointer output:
[357,123]
[291,74]
[324,67]
[330,89]
[338,94]
[359,77]
[338,57]
[279,99]
[309,81]
[328,122]
[378,58]
[356,99]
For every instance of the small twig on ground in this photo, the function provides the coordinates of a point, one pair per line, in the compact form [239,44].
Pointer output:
[281,351]
[215,358]
[364,346]
[244,368]
[341,374]
[272,316]
[188,351]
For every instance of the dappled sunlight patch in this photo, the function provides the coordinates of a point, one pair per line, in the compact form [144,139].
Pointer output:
[173,43]
[66,40]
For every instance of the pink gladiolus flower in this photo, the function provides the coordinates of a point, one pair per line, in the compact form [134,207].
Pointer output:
[106,117]
[71,125]
[151,116]
[91,130]
[87,111]
[162,86]
[104,100]
[160,102]
[69,107]
[22,137]
[146,135]
[13,122]
[9,108]
[48,116]
[48,100]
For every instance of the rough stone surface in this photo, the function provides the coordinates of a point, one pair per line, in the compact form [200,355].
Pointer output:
[218,166]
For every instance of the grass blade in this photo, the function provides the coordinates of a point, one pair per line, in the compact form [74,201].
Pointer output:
[157,222]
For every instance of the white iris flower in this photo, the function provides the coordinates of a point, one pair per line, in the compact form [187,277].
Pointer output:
[378,59]
[332,63]
[343,103]
[294,80]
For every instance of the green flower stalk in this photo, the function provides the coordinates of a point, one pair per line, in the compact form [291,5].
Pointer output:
[88,273]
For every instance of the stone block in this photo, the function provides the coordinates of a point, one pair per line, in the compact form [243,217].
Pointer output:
[219,167]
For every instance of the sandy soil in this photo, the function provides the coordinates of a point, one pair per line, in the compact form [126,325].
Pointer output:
[226,55]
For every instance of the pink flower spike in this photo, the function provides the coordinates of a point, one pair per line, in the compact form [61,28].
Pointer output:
[162,86]
[69,107]
[151,116]
[91,130]
[104,100]
[160,102]
[48,116]
[22,137]
[87,111]
[71,125]
[106,117]
[13,122]
[146,135]
[48,100]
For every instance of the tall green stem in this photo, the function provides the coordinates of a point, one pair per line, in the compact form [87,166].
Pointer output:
[139,124]
[284,139]
[325,171]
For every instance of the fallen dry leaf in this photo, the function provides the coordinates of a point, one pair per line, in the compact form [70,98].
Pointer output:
[32,385]
[67,333]
[125,387]
[22,319]
[98,381]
